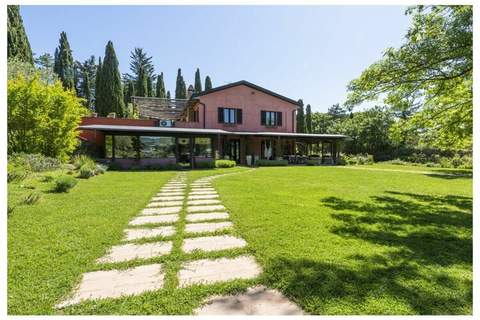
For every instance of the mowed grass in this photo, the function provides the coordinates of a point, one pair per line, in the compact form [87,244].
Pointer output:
[341,241]
[50,244]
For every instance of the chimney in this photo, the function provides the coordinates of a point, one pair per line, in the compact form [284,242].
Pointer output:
[190,91]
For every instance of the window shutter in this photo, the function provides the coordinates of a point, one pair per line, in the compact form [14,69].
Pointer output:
[279,119]
[239,116]
[263,116]
[220,115]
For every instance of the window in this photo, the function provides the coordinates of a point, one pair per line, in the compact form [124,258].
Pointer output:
[193,115]
[157,147]
[108,147]
[203,147]
[126,147]
[271,118]
[229,115]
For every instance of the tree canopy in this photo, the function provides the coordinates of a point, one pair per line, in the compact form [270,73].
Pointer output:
[64,65]
[428,80]
[198,81]
[208,83]
[18,46]
[160,86]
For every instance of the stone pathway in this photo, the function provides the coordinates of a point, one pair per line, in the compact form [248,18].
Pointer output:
[204,214]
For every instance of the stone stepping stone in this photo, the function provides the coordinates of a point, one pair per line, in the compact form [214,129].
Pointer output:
[258,300]
[203,196]
[217,207]
[172,189]
[132,251]
[203,201]
[208,271]
[213,243]
[168,198]
[134,234]
[166,210]
[175,185]
[207,227]
[167,193]
[193,193]
[169,218]
[202,189]
[201,185]
[157,204]
[117,283]
[206,216]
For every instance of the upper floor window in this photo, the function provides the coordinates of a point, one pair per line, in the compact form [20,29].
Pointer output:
[271,118]
[229,115]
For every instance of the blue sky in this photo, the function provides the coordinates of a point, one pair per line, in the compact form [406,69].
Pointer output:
[308,52]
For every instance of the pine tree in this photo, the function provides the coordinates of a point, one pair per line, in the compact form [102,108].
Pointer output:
[64,62]
[18,46]
[112,91]
[300,117]
[141,87]
[308,119]
[99,88]
[198,81]
[160,86]
[181,87]
[168,95]
[208,83]
[139,58]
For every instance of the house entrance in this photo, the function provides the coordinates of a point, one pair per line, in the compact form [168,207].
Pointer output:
[184,150]
[232,149]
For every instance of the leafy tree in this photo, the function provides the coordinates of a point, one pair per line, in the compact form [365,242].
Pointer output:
[64,66]
[308,119]
[160,92]
[337,111]
[111,94]
[181,87]
[141,87]
[208,83]
[198,81]
[300,117]
[428,80]
[99,88]
[323,123]
[45,64]
[18,46]
[42,118]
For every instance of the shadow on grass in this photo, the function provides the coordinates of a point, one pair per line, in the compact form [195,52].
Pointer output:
[420,238]
[449,174]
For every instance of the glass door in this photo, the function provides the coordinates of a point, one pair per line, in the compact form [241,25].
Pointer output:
[184,154]
[233,149]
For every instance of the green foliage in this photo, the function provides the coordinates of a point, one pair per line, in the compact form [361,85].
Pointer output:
[141,86]
[198,81]
[33,198]
[110,96]
[308,119]
[64,183]
[208,83]
[428,80]
[129,92]
[181,87]
[225,163]
[140,60]
[80,160]
[160,87]
[300,117]
[42,119]
[99,87]
[18,69]
[15,173]
[64,66]
[271,163]
[34,162]
[18,46]
[86,171]
[357,159]
[205,164]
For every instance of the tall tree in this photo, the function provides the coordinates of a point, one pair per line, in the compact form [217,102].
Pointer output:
[99,88]
[181,87]
[168,95]
[160,92]
[141,88]
[308,119]
[428,78]
[64,62]
[149,87]
[140,59]
[208,83]
[300,117]
[111,94]
[198,81]
[129,92]
[45,63]
[18,46]
[337,111]
[85,89]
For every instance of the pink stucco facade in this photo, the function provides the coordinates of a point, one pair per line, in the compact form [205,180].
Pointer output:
[250,101]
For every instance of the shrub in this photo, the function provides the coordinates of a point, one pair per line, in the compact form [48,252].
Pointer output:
[205,165]
[271,163]
[100,169]
[225,163]
[64,183]
[86,171]
[35,162]
[358,159]
[47,178]
[314,162]
[81,160]
[32,198]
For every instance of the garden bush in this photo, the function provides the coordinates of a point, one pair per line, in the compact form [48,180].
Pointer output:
[205,165]
[32,198]
[225,163]
[271,163]
[64,183]
[86,171]
[358,159]
[34,162]
[81,160]
[100,169]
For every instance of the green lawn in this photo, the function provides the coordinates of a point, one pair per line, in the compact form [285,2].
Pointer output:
[335,240]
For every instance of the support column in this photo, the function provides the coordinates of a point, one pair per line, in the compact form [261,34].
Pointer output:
[113,147]
[192,158]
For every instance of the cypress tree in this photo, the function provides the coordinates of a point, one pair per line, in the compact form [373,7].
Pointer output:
[168,95]
[308,119]
[99,89]
[149,87]
[208,83]
[160,86]
[64,62]
[129,92]
[300,117]
[87,94]
[18,46]
[112,93]
[198,81]
[141,87]
[181,87]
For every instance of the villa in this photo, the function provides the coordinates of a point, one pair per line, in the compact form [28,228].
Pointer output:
[240,121]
